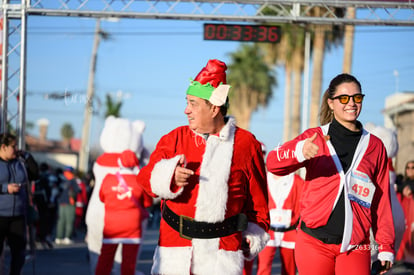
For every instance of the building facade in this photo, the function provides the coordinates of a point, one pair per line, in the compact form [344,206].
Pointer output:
[399,115]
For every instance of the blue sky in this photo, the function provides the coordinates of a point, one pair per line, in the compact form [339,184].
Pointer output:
[151,62]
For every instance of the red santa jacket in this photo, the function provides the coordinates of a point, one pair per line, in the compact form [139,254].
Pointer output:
[229,179]
[366,187]
[284,198]
[125,202]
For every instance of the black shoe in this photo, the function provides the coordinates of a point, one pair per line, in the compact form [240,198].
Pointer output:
[49,244]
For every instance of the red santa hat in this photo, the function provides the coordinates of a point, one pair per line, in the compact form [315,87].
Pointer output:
[128,159]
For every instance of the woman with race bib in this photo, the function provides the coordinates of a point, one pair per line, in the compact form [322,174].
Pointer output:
[346,189]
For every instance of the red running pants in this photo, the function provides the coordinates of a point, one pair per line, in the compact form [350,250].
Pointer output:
[265,261]
[106,259]
[314,257]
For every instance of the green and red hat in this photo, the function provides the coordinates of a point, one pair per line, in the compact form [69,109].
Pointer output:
[210,83]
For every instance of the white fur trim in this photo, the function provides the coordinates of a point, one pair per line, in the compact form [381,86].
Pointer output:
[122,240]
[290,245]
[177,260]
[214,175]
[209,259]
[257,237]
[219,95]
[172,260]
[161,178]
[299,151]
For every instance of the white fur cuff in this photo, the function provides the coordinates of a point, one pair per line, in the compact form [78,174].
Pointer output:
[258,239]
[299,151]
[386,256]
[161,178]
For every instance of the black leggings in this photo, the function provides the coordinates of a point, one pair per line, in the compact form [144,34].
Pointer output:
[13,229]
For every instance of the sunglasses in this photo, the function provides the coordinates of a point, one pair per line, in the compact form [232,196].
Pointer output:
[409,167]
[344,99]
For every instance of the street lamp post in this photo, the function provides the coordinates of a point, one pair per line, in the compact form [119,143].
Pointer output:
[88,112]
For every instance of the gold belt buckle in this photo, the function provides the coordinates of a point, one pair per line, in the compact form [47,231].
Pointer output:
[182,218]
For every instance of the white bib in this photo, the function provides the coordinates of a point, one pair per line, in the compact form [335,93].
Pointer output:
[280,218]
[361,189]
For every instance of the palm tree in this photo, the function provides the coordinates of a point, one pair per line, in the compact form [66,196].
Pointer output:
[289,53]
[67,134]
[251,80]
[325,36]
[297,69]
[348,42]
[113,108]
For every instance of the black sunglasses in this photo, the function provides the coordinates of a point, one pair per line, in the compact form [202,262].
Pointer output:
[344,99]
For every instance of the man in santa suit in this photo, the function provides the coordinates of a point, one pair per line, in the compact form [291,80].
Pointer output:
[211,178]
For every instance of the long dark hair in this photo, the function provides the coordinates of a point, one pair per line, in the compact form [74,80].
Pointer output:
[7,139]
[326,114]
[405,170]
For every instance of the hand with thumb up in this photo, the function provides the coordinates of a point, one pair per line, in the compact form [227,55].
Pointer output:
[310,149]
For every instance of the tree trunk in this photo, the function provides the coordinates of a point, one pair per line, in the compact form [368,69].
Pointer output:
[288,97]
[348,42]
[243,119]
[317,68]
[243,112]
[297,91]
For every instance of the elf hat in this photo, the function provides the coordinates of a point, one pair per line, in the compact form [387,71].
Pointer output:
[210,83]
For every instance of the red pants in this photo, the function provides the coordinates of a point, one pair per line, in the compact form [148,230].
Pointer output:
[248,267]
[106,259]
[314,257]
[265,261]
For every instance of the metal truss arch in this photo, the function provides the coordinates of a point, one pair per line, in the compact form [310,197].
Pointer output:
[16,12]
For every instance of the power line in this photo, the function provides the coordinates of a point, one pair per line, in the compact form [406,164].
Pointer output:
[45,30]
[116,33]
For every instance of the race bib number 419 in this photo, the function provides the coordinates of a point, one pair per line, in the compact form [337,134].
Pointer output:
[361,189]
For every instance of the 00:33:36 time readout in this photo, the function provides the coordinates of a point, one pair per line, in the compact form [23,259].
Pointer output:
[238,32]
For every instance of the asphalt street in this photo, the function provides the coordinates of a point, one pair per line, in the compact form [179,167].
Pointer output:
[73,259]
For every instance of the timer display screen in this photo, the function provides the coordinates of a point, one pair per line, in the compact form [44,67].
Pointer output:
[247,33]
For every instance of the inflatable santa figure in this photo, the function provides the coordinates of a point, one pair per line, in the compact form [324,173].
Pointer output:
[125,210]
[118,135]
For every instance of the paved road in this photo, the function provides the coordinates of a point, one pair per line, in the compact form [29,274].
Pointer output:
[72,259]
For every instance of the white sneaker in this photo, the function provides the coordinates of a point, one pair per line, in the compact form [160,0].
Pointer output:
[67,241]
[58,241]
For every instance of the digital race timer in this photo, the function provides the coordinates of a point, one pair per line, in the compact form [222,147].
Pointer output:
[247,33]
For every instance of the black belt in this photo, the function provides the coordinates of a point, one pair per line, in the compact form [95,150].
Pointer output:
[189,228]
[324,239]
[284,229]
